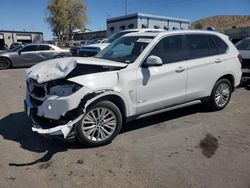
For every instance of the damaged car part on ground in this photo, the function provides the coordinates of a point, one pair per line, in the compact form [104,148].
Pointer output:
[138,75]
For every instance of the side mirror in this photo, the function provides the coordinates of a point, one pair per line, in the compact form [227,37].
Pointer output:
[153,61]
[19,52]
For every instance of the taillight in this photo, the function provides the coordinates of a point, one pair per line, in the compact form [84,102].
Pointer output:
[240,58]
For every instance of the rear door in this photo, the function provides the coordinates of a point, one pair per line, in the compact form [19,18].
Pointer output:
[205,64]
[46,52]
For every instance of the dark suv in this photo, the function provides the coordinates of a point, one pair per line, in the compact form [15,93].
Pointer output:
[244,48]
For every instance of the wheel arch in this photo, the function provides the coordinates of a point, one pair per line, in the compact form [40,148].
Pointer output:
[114,98]
[229,77]
[4,57]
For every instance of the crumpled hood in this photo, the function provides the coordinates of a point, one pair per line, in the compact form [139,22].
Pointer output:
[51,69]
[61,67]
[97,81]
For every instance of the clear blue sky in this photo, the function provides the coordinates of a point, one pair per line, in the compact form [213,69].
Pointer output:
[29,14]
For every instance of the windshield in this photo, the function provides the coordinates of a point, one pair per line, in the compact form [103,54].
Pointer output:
[16,48]
[125,49]
[118,35]
[243,45]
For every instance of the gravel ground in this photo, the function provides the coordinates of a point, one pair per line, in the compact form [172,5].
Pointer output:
[189,147]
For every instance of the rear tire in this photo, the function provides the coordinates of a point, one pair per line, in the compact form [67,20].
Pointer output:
[101,123]
[4,63]
[220,95]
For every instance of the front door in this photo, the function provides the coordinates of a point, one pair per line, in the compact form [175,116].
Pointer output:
[29,55]
[163,86]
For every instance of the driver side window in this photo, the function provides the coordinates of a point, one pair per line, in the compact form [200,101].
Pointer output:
[169,49]
[29,48]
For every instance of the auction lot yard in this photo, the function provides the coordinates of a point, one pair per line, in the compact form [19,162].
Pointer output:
[158,151]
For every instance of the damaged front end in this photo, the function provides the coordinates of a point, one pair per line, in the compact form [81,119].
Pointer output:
[54,109]
[54,101]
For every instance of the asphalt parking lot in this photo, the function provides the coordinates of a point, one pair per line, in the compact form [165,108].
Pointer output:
[159,151]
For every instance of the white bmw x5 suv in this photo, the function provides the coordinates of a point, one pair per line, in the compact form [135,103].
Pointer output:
[136,76]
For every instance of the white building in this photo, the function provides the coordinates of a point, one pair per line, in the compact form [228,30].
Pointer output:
[141,20]
[9,37]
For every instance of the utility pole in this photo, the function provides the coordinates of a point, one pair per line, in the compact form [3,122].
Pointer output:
[126,7]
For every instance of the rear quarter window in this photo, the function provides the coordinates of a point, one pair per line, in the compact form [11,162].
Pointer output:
[220,44]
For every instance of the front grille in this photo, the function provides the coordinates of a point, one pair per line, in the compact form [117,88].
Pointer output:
[39,91]
[35,89]
[35,102]
[245,64]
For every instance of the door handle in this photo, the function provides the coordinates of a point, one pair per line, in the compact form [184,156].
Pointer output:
[218,61]
[180,69]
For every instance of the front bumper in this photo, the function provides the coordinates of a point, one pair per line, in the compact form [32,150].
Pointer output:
[52,123]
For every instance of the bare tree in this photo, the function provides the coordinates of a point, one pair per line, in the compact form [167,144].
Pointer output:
[64,16]
[77,16]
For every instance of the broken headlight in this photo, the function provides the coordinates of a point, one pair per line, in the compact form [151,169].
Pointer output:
[62,89]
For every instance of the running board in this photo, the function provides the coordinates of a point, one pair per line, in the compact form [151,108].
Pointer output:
[168,109]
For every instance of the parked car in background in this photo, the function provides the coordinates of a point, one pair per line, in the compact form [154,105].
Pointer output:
[30,54]
[244,48]
[3,51]
[93,49]
[74,50]
[137,75]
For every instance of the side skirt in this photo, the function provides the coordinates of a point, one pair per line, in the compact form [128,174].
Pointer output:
[164,110]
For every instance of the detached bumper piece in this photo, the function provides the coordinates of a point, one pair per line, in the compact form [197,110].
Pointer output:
[59,128]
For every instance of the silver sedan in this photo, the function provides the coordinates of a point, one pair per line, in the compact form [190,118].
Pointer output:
[30,54]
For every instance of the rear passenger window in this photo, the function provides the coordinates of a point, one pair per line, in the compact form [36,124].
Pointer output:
[169,49]
[220,44]
[44,47]
[30,48]
[198,46]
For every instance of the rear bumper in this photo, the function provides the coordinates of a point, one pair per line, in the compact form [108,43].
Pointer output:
[245,79]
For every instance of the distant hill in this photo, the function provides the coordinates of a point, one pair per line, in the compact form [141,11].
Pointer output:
[220,23]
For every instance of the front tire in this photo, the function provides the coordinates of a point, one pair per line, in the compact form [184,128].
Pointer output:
[220,95]
[100,125]
[4,63]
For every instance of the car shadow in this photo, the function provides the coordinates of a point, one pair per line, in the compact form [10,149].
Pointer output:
[17,127]
[163,117]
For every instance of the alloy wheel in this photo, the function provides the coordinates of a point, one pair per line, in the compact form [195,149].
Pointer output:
[222,94]
[99,124]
